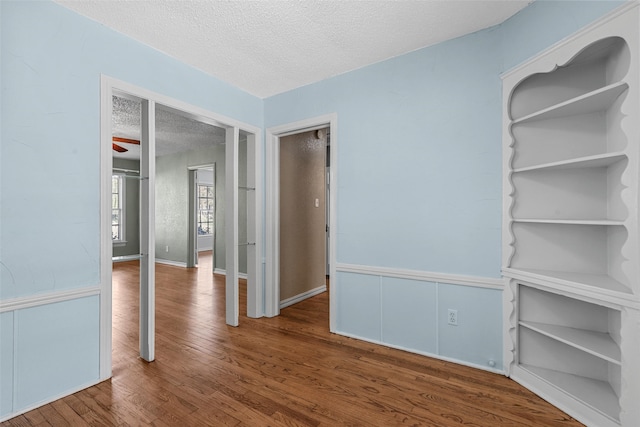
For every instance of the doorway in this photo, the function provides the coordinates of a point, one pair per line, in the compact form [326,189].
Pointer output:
[302,208]
[202,214]
[150,103]
[276,137]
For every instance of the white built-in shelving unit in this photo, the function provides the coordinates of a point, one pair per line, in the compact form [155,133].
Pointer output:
[571,239]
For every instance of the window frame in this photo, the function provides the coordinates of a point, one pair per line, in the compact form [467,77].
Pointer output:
[122,240]
[199,211]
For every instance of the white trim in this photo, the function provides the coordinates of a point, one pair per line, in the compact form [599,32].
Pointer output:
[106,242]
[123,258]
[255,228]
[147,229]
[107,87]
[232,296]
[272,214]
[303,296]
[424,353]
[584,30]
[425,276]
[611,299]
[48,298]
[171,263]
[203,166]
[561,399]
[122,197]
[223,272]
[126,170]
[49,400]
[188,110]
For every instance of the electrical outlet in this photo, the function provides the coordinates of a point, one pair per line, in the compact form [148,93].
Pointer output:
[452,317]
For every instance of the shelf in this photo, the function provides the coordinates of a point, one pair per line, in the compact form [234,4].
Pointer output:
[598,344]
[596,161]
[598,100]
[570,221]
[597,394]
[126,258]
[598,281]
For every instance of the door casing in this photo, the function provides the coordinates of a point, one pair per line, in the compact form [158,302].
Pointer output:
[272,196]
[109,86]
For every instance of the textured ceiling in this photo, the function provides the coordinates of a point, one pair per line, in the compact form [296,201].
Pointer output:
[269,47]
[174,132]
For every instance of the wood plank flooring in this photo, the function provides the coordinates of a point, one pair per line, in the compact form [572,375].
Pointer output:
[285,371]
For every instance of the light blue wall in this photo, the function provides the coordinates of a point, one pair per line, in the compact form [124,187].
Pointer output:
[6,363]
[57,349]
[412,315]
[419,159]
[51,64]
[419,180]
[52,60]
[544,23]
[409,314]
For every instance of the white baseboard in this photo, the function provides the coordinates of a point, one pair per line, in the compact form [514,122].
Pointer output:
[424,353]
[303,296]
[50,399]
[224,273]
[169,262]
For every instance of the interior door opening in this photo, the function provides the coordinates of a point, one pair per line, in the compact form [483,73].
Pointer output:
[202,214]
[303,219]
[158,191]
[285,194]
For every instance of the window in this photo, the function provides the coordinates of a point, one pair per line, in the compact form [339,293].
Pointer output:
[206,209]
[117,209]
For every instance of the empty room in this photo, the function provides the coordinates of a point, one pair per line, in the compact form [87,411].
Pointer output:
[320,213]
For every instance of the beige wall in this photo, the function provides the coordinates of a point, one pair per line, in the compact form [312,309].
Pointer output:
[302,224]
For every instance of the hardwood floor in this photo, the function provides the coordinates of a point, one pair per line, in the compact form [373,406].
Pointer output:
[284,371]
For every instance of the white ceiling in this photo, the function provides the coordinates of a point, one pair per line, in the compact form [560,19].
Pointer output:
[268,47]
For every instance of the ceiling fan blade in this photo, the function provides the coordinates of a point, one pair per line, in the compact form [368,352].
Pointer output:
[126,140]
[119,149]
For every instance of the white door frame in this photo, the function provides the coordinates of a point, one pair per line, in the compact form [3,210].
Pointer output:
[109,86]
[192,258]
[272,194]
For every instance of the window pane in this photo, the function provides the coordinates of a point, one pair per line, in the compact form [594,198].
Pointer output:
[115,202]
[203,204]
[115,217]
[114,184]
[202,190]
[210,191]
[210,205]
[115,232]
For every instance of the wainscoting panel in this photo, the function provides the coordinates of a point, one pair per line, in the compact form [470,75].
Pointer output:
[408,310]
[477,338]
[409,314]
[358,300]
[64,335]
[6,364]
